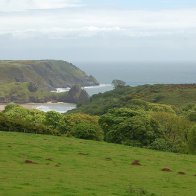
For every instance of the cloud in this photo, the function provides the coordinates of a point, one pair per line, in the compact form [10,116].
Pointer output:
[45,28]
[24,5]
[86,22]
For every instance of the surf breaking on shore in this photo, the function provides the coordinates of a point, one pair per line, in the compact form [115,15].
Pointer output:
[63,107]
[46,107]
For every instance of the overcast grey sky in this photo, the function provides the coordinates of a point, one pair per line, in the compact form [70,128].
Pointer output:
[110,30]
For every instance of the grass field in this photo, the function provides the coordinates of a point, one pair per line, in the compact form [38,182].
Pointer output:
[67,166]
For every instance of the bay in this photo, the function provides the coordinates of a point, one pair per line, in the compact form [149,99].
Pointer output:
[64,107]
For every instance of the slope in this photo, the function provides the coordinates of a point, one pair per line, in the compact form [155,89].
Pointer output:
[178,95]
[67,166]
[47,74]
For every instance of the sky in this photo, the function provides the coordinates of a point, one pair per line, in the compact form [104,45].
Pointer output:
[98,30]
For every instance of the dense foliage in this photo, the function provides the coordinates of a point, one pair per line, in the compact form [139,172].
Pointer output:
[17,118]
[158,130]
[133,122]
[178,96]
[129,127]
[175,130]
[159,116]
[83,126]
[192,140]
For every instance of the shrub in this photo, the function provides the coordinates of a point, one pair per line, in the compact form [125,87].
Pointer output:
[88,131]
[192,116]
[55,121]
[20,125]
[13,111]
[173,127]
[83,126]
[160,144]
[129,127]
[192,140]
[174,131]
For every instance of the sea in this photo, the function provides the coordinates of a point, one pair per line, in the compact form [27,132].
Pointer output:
[139,73]
[65,107]
[133,73]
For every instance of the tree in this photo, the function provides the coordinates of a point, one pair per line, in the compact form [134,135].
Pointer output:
[129,127]
[55,120]
[174,130]
[85,130]
[17,118]
[83,126]
[192,140]
[190,112]
[14,111]
[192,116]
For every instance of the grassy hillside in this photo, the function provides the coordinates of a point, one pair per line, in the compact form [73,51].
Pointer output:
[45,73]
[21,93]
[66,166]
[32,81]
[178,95]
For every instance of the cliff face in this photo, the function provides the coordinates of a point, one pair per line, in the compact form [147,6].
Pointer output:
[47,74]
[77,95]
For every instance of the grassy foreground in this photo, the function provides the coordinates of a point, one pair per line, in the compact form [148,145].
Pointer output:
[67,166]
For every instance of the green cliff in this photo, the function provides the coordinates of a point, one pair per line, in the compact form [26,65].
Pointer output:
[47,74]
[32,81]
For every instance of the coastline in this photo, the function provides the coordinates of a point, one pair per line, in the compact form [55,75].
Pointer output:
[39,106]
[27,105]
[61,106]
[60,90]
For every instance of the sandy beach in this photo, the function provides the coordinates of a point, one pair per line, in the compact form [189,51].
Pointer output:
[28,106]
[2,107]
[59,107]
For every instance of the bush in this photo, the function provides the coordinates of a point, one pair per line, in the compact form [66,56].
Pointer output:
[160,144]
[192,116]
[147,106]
[13,111]
[129,127]
[20,125]
[192,140]
[84,130]
[83,126]
[174,131]
[55,121]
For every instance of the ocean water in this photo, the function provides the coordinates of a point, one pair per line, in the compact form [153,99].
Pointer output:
[64,107]
[138,73]
[91,90]
[58,107]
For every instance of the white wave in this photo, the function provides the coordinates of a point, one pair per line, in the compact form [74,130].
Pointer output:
[62,90]
[98,86]
[43,108]
[61,108]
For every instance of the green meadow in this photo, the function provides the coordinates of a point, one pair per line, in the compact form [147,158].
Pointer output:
[33,164]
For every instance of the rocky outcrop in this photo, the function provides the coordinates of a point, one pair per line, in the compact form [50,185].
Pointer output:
[77,95]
